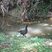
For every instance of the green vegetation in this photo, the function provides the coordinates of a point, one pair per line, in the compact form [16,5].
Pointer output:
[41,9]
[21,43]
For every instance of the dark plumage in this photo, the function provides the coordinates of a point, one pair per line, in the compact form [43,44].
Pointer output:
[23,32]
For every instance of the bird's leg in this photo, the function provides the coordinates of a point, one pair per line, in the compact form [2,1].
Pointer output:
[24,35]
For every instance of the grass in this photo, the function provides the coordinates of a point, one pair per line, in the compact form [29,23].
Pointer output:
[22,44]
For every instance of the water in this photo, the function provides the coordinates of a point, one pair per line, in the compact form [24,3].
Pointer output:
[42,29]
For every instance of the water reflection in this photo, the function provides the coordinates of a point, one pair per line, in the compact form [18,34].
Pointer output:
[40,29]
[44,24]
[36,30]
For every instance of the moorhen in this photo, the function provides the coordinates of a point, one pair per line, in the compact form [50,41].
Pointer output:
[23,32]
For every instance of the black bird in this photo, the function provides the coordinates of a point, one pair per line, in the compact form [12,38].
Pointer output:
[23,32]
